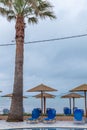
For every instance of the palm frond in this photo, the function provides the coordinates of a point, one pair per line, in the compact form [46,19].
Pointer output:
[48,14]
[27,11]
[43,9]
[31,9]
[33,4]
[3,11]
[33,20]
[6,2]
[11,17]
[44,5]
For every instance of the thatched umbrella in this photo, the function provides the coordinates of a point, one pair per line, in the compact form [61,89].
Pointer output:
[83,88]
[45,95]
[72,96]
[10,95]
[41,88]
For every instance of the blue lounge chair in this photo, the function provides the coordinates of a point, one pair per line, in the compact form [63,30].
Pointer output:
[51,114]
[67,111]
[78,116]
[35,116]
[5,111]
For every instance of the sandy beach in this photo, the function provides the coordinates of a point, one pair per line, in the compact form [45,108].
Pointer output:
[58,118]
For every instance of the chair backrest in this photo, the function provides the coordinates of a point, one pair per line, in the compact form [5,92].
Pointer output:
[78,114]
[35,113]
[51,113]
[39,110]
[47,110]
[67,111]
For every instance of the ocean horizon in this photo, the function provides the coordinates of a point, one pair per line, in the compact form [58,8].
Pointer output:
[32,102]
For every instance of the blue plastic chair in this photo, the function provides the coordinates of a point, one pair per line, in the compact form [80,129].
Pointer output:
[78,116]
[5,111]
[35,116]
[47,110]
[67,111]
[51,114]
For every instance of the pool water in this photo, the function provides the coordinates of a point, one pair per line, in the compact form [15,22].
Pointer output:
[48,129]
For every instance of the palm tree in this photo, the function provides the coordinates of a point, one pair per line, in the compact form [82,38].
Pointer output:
[19,10]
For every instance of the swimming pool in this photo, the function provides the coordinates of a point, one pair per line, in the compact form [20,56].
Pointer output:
[47,129]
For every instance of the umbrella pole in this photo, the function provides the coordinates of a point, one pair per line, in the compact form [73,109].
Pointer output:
[42,102]
[44,105]
[70,102]
[73,104]
[85,103]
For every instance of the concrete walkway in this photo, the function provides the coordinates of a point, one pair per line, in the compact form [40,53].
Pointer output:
[59,124]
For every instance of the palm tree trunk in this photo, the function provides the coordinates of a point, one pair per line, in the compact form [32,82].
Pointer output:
[16,110]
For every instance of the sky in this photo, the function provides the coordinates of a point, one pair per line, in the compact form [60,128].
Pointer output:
[58,64]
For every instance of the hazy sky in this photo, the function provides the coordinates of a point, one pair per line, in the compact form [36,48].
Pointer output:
[59,64]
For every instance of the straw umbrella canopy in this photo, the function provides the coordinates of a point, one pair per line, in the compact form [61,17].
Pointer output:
[41,88]
[45,95]
[83,88]
[72,96]
[10,95]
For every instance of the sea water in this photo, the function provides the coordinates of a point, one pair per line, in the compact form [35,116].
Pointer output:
[32,102]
